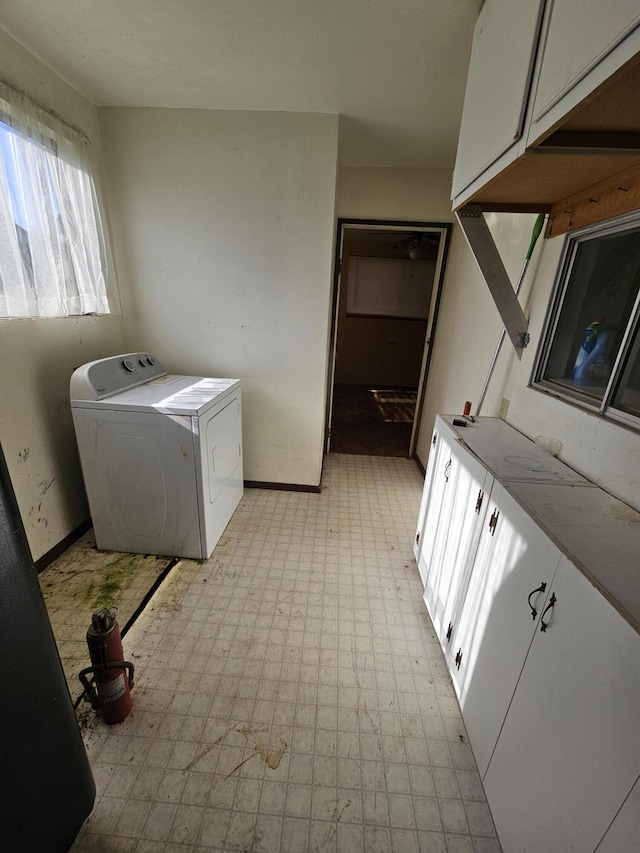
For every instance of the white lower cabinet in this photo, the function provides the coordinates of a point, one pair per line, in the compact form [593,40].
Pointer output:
[513,570]
[569,751]
[547,671]
[431,508]
[460,511]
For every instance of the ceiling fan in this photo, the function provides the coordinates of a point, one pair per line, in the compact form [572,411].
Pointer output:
[419,246]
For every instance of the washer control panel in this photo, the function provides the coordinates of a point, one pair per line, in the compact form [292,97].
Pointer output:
[107,376]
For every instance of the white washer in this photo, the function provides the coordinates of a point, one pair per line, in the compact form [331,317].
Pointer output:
[161,455]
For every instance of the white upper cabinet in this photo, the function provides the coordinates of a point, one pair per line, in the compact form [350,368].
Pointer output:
[552,77]
[577,54]
[500,70]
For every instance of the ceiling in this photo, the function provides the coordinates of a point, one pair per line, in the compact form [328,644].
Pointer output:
[395,70]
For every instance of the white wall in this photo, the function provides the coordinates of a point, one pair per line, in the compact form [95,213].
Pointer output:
[604,452]
[37,356]
[224,232]
[468,329]
[468,324]
[411,195]
[369,192]
[372,350]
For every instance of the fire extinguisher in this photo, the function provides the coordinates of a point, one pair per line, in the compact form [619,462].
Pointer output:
[110,690]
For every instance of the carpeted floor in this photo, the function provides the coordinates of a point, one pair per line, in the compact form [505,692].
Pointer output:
[372,421]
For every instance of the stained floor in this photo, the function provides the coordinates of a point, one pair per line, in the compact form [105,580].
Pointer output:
[82,580]
[291,693]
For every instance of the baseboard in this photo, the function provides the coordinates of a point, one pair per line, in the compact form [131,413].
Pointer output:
[421,467]
[42,562]
[283,487]
[46,559]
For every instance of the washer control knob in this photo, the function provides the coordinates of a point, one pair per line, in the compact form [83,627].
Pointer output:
[128,365]
[143,362]
[151,360]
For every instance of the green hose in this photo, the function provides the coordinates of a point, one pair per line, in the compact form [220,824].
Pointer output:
[537,230]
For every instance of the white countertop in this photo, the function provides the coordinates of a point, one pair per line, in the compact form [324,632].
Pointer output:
[599,533]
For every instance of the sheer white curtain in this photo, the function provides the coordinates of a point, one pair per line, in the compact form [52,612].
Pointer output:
[54,254]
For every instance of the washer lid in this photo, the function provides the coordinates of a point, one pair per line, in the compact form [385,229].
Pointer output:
[169,395]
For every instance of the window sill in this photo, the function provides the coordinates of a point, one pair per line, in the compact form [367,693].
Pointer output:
[563,391]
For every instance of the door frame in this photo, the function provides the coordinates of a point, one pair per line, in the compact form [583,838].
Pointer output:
[344,223]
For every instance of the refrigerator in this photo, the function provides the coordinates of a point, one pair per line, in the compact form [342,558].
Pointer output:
[47,785]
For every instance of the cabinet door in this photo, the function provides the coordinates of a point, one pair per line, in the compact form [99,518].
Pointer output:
[432,462]
[434,497]
[500,71]
[514,567]
[579,37]
[463,509]
[569,750]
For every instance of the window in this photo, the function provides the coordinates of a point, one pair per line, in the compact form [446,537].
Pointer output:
[590,352]
[54,256]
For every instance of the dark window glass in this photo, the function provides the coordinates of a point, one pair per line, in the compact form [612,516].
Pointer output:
[596,310]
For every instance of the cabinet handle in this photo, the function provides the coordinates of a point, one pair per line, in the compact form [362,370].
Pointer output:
[449,632]
[458,658]
[447,470]
[479,501]
[544,625]
[541,588]
[493,521]
[435,439]
[417,537]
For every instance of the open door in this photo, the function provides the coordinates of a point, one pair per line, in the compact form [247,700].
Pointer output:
[387,287]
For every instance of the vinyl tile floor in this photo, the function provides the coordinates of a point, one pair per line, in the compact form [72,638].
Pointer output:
[291,695]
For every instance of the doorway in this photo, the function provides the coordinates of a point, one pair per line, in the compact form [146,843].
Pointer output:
[386,296]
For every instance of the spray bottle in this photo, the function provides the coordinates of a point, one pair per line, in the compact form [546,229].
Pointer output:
[592,367]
